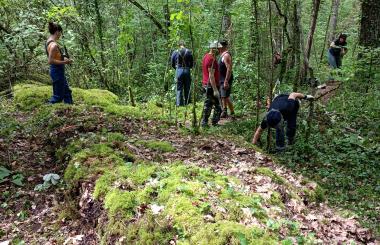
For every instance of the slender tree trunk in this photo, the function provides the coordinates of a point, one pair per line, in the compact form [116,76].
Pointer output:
[313,25]
[296,43]
[334,19]
[270,95]
[226,22]
[258,59]
[99,23]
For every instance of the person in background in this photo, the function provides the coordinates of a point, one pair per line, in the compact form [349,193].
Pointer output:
[57,62]
[337,50]
[284,108]
[182,60]
[210,84]
[225,78]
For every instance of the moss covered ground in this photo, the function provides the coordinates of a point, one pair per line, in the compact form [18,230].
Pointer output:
[188,197]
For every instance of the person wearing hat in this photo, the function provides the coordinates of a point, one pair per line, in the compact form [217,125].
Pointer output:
[337,50]
[182,60]
[210,84]
[225,78]
[284,108]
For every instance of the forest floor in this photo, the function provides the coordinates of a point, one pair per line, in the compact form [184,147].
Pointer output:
[63,215]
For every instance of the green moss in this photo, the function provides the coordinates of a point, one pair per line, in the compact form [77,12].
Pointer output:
[31,96]
[121,202]
[162,146]
[316,195]
[268,172]
[186,217]
[227,232]
[89,162]
[276,200]
[138,173]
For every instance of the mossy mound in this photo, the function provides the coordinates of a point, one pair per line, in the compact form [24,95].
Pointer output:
[153,203]
[30,96]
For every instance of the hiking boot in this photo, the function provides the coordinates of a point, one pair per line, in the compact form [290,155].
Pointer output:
[224,114]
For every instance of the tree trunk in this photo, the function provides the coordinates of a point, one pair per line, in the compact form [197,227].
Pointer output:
[333,19]
[370,24]
[269,137]
[99,23]
[226,22]
[296,43]
[314,16]
[258,59]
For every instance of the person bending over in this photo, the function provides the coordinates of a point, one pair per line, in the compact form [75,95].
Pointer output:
[284,108]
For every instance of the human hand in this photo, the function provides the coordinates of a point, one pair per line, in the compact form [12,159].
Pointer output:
[226,85]
[67,61]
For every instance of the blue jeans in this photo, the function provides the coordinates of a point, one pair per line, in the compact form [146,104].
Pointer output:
[183,78]
[334,61]
[291,126]
[61,90]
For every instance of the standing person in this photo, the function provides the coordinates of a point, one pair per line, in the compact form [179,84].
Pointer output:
[182,60]
[283,108]
[225,78]
[337,50]
[210,85]
[57,62]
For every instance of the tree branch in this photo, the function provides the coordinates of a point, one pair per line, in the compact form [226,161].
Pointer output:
[285,20]
[149,15]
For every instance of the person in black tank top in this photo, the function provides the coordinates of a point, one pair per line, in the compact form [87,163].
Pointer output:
[225,78]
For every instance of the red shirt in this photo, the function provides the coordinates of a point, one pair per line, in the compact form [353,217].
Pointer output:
[208,62]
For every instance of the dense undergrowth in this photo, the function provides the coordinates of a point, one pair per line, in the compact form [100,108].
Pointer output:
[342,154]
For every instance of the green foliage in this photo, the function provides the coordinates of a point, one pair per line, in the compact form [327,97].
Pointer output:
[4,173]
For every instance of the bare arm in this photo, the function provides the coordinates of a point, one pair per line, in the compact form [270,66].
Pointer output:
[228,62]
[294,96]
[257,135]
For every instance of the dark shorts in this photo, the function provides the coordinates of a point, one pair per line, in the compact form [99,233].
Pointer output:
[225,93]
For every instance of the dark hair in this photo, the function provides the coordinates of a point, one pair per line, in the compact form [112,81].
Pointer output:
[54,27]
[343,35]
[224,43]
